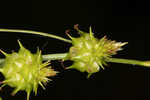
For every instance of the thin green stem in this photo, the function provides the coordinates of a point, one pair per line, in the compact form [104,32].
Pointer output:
[1,60]
[129,61]
[47,57]
[54,56]
[60,56]
[37,33]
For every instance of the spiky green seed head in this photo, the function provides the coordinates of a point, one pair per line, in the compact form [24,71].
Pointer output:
[89,53]
[25,71]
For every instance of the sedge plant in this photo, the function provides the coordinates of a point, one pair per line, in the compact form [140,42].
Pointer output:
[25,71]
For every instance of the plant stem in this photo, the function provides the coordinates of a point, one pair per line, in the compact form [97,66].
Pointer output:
[54,56]
[47,57]
[1,60]
[35,32]
[113,60]
[129,61]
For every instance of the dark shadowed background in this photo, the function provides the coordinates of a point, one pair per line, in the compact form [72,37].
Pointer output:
[120,20]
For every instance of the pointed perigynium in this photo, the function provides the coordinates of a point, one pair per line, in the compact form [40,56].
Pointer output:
[89,53]
[25,71]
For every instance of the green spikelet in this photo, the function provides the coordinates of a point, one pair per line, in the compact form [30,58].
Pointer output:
[88,52]
[25,71]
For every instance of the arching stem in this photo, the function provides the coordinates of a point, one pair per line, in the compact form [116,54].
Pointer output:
[37,33]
